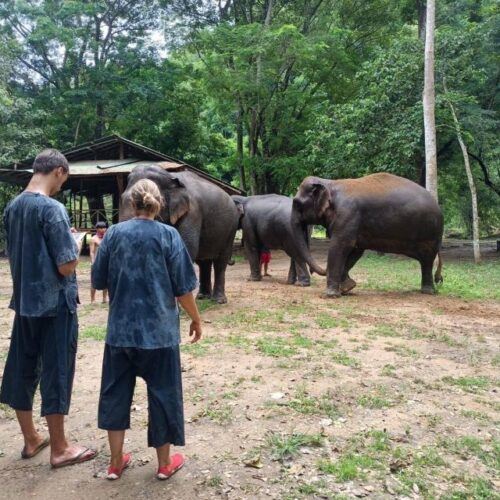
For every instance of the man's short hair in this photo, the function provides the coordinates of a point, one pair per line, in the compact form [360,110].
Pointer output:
[101,225]
[48,160]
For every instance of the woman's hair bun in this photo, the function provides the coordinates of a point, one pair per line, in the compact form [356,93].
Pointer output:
[146,196]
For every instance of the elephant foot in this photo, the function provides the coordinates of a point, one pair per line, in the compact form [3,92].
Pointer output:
[203,296]
[290,282]
[429,290]
[347,285]
[220,299]
[332,294]
[255,278]
[231,262]
[303,283]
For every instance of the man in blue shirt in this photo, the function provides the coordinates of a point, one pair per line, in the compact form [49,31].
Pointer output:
[43,257]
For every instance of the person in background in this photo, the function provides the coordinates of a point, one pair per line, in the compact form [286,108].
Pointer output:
[95,243]
[43,256]
[147,270]
[265,258]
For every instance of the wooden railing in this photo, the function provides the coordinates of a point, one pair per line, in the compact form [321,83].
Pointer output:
[86,219]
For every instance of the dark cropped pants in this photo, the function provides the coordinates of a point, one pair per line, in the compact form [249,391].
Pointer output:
[42,350]
[161,370]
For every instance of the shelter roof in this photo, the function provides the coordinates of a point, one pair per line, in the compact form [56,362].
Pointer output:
[93,165]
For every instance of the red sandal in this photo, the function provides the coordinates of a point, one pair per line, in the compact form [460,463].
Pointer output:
[176,463]
[115,472]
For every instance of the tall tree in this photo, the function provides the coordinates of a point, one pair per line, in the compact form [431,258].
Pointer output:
[429,102]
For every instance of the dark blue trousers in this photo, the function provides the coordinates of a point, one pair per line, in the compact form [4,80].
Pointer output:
[42,350]
[161,370]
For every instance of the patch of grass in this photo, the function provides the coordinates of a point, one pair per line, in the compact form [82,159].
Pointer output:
[429,457]
[205,305]
[215,482]
[389,370]
[287,446]
[403,351]
[301,341]
[251,320]
[197,350]
[477,488]
[468,384]
[94,332]
[461,279]
[373,402]
[467,446]
[221,414]
[276,347]
[326,321]
[239,341]
[379,441]
[342,358]
[256,379]
[434,420]
[384,330]
[347,467]
[306,404]
[230,395]
[475,415]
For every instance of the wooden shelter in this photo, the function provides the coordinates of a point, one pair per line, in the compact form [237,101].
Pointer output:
[98,176]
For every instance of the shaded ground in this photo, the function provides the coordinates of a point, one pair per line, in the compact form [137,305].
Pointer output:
[385,393]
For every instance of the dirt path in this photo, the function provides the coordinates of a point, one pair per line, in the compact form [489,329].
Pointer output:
[379,394]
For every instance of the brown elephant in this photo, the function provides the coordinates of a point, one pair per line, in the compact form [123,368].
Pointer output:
[380,212]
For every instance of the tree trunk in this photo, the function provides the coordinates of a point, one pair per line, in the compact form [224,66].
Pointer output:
[239,146]
[470,179]
[429,103]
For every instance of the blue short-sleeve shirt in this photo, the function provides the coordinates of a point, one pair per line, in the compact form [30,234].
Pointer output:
[145,266]
[39,240]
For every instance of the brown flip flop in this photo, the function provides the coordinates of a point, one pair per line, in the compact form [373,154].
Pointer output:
[36,451]
[80,458]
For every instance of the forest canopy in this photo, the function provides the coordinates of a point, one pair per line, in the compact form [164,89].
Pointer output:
[260,93]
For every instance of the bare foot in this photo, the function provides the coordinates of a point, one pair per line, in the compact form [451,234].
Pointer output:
[72,455]
[267,274]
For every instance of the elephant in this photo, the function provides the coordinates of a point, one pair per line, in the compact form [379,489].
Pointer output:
[204,215]
[381,212]
[266,221]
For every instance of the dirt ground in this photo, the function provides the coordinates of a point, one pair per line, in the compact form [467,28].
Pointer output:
[290,395]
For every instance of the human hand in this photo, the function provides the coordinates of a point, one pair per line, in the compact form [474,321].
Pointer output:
[195,331]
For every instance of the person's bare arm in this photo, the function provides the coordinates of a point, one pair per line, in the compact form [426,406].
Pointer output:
[68,268]
[189,305]
[92,250]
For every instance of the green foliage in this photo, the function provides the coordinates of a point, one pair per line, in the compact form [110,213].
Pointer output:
[330,89]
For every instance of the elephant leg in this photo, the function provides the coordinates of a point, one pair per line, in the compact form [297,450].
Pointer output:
[303,276]
[205,290]
[337,258]
[292,273]
[219,293]
[347,282]
[426,265]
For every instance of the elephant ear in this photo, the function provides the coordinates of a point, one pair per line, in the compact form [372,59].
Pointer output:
[321,197]
[177,200]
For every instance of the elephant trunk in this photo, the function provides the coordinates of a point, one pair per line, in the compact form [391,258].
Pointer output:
[299,231]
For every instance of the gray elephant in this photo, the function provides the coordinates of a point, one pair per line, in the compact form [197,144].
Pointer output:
[204,215]
[266,222]
[380,212]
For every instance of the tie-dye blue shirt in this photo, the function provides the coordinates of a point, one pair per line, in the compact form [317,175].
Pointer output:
[39,240]
[144,265]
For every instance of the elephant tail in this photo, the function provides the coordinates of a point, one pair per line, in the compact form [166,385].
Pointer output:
[438,277]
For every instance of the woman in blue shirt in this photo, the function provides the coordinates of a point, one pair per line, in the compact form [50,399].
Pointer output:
[145,267]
